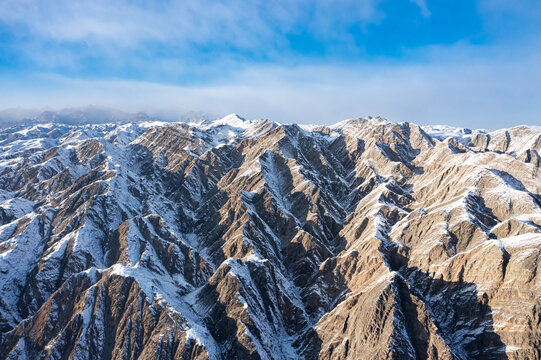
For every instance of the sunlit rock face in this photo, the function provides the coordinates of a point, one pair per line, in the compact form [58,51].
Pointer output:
[251,239]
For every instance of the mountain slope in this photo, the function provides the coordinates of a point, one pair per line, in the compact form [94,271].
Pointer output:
[252,239]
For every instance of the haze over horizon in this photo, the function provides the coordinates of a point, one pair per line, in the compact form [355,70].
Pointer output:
[470,63]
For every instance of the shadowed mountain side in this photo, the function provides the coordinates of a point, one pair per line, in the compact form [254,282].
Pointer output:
[404,314]
[463,318]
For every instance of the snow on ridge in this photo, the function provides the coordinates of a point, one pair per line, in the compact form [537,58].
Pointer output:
[376,120]
[232,120]
[231,128]
[442,132]
[531,240]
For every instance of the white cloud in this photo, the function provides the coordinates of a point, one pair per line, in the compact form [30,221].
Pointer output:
[483,94]
[71,34]
[128,23]
[423,7]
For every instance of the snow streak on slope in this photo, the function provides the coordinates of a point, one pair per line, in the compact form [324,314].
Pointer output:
[241,238]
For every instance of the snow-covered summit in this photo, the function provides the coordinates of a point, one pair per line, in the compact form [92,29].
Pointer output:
[232,120]
[377,120]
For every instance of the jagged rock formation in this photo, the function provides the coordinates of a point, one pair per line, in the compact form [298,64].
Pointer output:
[251,239]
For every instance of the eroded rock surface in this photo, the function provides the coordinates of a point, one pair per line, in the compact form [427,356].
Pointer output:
[251,239]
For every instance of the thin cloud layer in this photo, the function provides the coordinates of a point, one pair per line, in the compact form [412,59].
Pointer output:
[477,95]
[298,61]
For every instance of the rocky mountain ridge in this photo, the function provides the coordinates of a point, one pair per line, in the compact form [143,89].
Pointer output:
[252,239]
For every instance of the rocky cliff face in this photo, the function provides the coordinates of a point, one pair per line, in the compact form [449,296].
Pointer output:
[251,239]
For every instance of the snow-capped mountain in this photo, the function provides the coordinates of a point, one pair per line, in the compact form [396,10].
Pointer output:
[238,238]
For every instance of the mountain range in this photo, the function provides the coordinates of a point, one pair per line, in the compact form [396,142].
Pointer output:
[250,239]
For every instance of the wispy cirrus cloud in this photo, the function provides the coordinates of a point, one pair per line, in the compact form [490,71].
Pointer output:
[74,33]
[183,24]
[173,40]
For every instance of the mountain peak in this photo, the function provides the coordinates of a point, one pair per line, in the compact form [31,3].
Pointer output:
[232,120]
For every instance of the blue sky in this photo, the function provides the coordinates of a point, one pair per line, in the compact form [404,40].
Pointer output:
[464,63]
